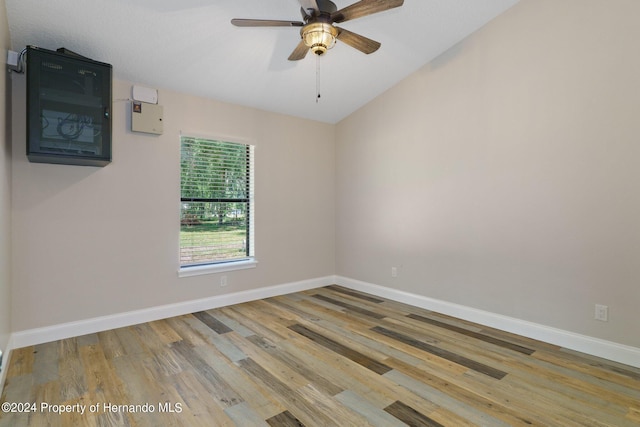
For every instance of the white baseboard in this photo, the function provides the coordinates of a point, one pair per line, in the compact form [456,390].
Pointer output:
[103,323]
[593,346]
[570,340]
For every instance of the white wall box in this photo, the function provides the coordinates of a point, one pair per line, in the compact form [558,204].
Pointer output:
[146,117]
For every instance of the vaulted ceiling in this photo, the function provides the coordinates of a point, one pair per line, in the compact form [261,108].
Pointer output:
[190,46]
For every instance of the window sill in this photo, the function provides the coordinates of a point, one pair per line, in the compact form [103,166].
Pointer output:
[198,270]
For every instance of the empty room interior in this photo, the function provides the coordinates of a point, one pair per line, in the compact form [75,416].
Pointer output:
[428,215]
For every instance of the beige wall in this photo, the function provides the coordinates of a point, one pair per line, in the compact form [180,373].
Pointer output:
[91,241]
[5,189]
[504,175]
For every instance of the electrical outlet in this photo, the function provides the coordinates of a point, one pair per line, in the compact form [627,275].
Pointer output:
[223,281]
[394,271]
[602,312]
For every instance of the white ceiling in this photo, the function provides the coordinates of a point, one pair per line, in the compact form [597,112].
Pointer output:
[190,46]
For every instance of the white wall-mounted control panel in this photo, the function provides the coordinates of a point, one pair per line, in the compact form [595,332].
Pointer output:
[146,117]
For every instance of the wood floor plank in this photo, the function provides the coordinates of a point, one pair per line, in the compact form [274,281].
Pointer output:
[110,343]
[448,418]
[355,294]
[22,360]
[623,378]
[565,400]
[443,399]
[338,414]
[260,398]
[46,392]
[130,340]
[477,391]
[320,357]
[146,339]
[225,346]
[212,322]
[351,338]
[341,371]
[566,410]
[275,367]
[284,419]
[212,381]
[45,365]
[634,415]
[410,416]
[471,348]
[243,415]
[472,334]
[311,309]
[70,371]
[78,419]
[165,332]
[88,339]
[231,323]
[361,333]
[460,360]
[598,362]
[361,302]
[373,414]
[163,363]
[350,307]
[533,371]
[20,388]
[252,319]
[576,383]
[332,310]
[200,403]
[200,334]
[300,408]
[137,387]
[523,366]
[359,358]
[103,384]
[299,365]
[188,334]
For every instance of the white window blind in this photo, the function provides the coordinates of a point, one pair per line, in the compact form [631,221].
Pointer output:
[216,201]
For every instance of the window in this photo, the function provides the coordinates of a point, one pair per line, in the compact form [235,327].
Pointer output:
[216,205]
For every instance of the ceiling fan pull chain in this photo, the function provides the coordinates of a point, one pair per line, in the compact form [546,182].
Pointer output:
[317,78]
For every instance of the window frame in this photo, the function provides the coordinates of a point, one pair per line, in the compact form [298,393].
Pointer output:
[222,265]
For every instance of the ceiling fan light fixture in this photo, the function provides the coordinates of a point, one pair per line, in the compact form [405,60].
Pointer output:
[319,36]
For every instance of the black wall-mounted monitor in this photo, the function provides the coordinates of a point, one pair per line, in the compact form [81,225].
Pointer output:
[68,108]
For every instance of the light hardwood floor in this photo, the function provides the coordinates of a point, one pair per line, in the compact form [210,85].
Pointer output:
[325,357]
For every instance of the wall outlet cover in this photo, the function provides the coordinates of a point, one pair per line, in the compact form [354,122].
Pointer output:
[602,312]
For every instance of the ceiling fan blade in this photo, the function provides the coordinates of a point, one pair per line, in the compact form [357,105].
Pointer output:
[265,23]
[364,8]
[357,41]
[299,52]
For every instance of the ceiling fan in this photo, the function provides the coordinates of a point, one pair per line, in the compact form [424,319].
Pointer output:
[318,32]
